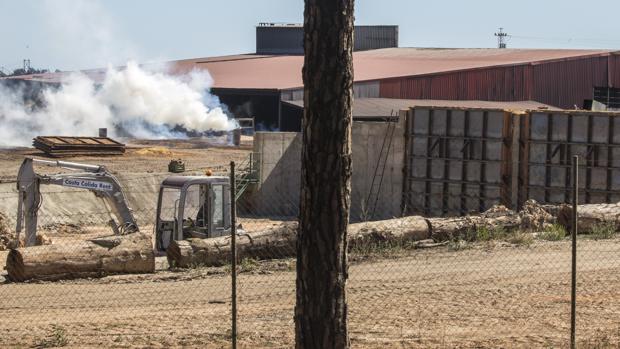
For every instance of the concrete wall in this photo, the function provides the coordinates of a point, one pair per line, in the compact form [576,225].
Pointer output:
[277,194]
[384,195]
[280,165]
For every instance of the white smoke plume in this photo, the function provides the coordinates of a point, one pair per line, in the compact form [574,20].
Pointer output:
[137,102]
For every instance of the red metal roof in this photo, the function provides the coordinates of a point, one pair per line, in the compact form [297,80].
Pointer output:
[284,72]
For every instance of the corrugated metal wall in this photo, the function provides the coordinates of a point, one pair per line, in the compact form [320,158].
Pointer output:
[368,89]
[280,40]
[567,83]
[561,83]
[372,37]
[288,39]
[614,70]
[492,84]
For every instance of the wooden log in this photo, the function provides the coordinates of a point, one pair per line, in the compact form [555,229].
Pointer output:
[496,218]
[127,254]
[280,242]
[412,228]
[274,243]
[590,216]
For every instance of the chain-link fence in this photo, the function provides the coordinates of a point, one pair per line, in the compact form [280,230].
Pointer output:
[499,279]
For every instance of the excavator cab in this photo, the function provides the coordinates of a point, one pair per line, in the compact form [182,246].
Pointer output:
[192,206]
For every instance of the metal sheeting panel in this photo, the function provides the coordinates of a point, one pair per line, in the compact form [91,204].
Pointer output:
[292,95]
[372,37]
[614,70]
[366,89]
[550,139]
[568,83]
[288,39]
[279,39]
[563,83]
[360,90]
[458,160]
[492,84]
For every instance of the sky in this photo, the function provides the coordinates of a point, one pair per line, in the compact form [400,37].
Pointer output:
[82,34]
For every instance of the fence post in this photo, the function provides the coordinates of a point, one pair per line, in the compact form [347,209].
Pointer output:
[573,295]
[233,252]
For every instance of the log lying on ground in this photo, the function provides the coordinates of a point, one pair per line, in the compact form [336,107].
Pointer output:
[590,216]
[496,218]
[127,254]
[280,242]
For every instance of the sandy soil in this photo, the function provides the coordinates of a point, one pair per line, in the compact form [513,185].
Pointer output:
[140,172]
[197,154]
[486,297]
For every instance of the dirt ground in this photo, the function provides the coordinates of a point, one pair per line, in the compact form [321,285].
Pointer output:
[485,296]
[488,296]
[197,154]
[140,172]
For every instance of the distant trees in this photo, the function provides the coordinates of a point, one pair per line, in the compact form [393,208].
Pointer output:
[22,71]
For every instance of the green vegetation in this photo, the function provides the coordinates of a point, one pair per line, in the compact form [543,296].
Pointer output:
[603,231]
[58,338]
[380,249]
[555,232]
[520,238]
[487,234]
[248,265]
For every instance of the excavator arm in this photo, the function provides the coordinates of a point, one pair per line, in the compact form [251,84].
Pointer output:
[91,177]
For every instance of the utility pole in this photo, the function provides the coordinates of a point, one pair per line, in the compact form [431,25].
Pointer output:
[501,38]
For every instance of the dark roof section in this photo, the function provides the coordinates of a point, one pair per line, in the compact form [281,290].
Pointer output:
[370,108]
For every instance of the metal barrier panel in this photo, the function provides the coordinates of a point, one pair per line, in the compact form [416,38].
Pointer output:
[458,160]
[549,141]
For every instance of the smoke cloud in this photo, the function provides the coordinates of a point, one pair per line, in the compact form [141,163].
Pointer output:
[131,101]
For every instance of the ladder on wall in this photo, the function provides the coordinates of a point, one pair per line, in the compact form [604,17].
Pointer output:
[370,205]
[247,173]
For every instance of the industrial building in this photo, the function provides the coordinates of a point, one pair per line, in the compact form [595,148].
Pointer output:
[258,85]
[277,38]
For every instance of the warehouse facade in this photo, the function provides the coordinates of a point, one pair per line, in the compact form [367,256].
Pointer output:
[255,85]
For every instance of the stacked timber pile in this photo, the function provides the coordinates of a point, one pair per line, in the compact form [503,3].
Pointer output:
[71,146]
[280,242]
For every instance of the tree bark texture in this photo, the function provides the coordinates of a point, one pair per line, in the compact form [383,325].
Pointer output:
[127,254]
[321,308]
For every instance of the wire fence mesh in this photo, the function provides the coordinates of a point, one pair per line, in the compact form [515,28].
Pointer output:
[472,281]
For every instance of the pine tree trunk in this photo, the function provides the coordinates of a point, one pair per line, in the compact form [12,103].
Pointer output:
[321,308]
